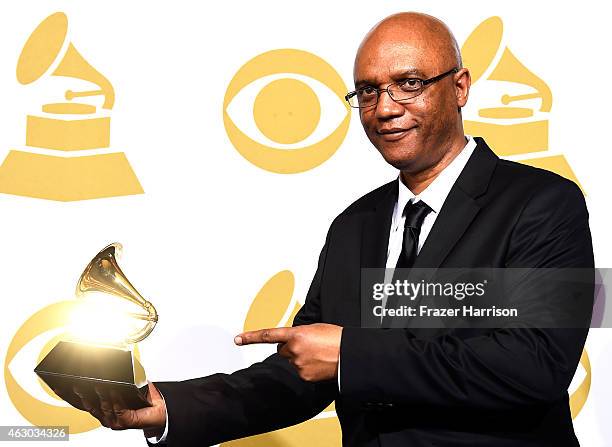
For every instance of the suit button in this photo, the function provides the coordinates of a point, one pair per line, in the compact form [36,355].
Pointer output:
[374,406]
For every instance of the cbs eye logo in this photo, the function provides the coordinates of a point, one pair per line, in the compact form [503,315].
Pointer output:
[292,102]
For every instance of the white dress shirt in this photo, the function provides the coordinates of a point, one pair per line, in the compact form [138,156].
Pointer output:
[434,195]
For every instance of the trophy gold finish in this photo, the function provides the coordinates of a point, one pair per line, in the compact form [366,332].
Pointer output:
[109,366]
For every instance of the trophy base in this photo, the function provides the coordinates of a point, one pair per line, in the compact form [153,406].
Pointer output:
[88,366]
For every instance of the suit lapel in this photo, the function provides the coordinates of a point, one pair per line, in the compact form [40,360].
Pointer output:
[460,207]
[376,228]
[374,244]
[457,213]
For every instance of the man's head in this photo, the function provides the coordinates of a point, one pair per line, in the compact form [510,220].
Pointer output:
[413,135]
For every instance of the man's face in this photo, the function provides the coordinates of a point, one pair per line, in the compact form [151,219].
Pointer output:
[411,135]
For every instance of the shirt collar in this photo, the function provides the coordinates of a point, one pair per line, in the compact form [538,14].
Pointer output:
[436,192]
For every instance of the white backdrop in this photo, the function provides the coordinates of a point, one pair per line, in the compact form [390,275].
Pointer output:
[212,228]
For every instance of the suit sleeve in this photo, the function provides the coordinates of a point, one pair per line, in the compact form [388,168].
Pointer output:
[263,397]
[504,369]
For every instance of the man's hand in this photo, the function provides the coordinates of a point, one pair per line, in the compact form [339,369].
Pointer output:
[109,409]
[313,349]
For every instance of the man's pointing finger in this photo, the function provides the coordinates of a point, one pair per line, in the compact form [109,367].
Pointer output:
[272,335]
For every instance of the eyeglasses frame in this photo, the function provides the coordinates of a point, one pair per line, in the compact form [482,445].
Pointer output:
[424,83]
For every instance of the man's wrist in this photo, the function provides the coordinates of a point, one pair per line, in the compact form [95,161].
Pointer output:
[157,435]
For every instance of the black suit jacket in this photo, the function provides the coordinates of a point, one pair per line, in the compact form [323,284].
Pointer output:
[464,387]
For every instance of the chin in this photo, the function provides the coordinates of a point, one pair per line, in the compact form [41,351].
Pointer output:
[398,157]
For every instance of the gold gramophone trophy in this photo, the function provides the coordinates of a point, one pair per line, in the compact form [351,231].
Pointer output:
[112,366]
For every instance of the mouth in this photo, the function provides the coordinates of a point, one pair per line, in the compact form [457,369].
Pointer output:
[394,134]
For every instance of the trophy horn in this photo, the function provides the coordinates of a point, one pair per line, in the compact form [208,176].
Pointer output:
[103,275]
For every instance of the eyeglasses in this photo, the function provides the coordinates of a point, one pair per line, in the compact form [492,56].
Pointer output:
[399,91]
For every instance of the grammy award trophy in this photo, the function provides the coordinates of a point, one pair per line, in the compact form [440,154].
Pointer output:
[100,363]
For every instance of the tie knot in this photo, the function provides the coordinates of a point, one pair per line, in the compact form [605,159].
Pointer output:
[415,214]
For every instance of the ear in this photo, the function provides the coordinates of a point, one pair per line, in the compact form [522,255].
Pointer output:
[463,80]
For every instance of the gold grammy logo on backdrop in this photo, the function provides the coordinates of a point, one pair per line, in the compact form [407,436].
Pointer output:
[69,127]
[510,128]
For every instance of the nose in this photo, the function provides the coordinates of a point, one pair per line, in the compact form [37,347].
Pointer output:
[387,108]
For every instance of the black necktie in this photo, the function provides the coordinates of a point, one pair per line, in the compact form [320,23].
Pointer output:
[415,215]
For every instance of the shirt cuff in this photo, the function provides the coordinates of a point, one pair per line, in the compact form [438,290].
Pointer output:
[162,439]
[338,373]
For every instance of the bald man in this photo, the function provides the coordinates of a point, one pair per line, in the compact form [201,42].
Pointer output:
[402,387]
